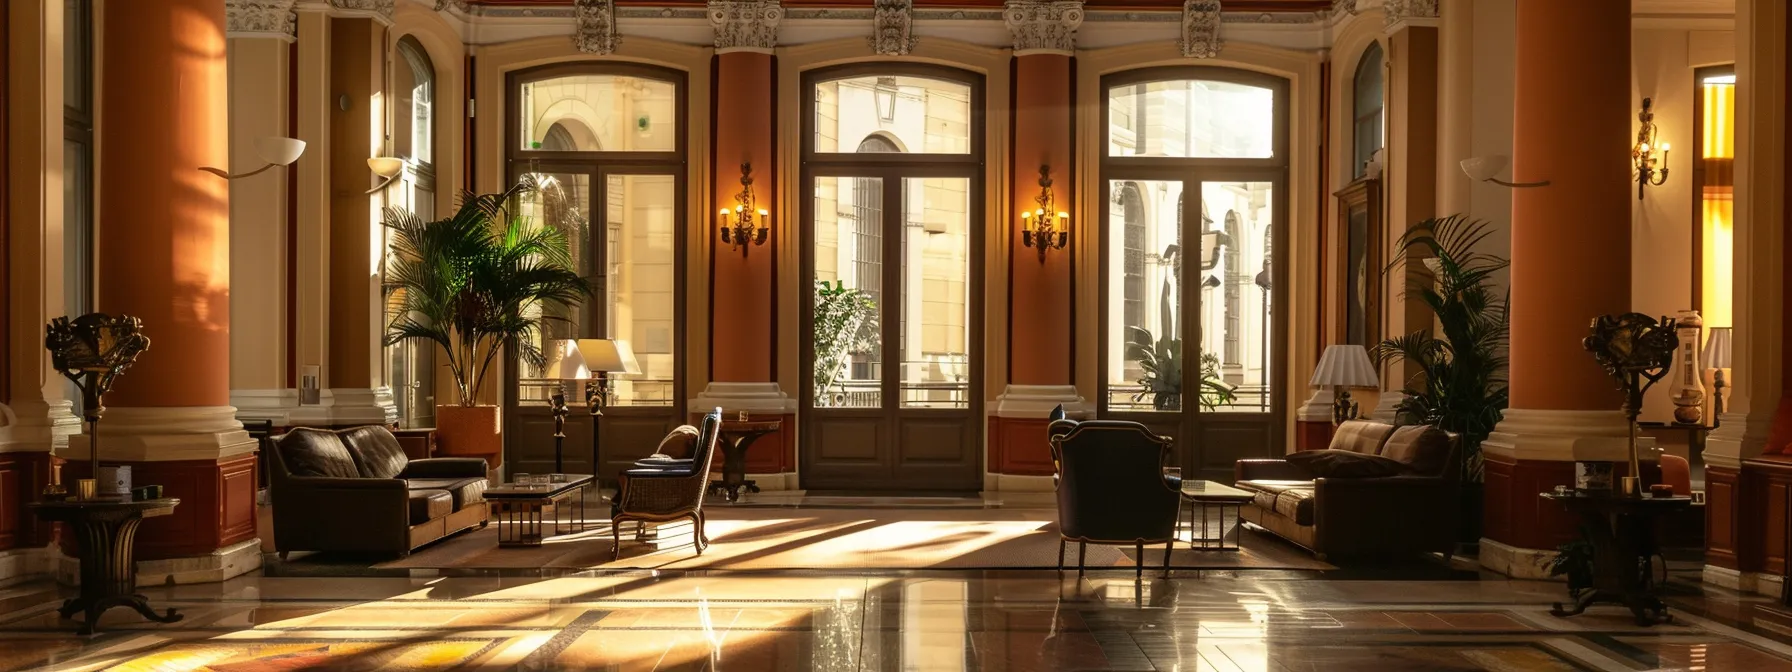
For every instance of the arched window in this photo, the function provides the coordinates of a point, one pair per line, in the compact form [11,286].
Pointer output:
[1183,142]
[411,368]
[1367,96]
[415,113]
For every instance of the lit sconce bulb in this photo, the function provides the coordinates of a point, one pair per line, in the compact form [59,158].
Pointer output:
[724,212]
[1665,147]
[1063,215]
[1024,215]
[762,212]
[1643,147]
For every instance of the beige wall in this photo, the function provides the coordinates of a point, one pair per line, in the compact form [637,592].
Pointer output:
[259,98]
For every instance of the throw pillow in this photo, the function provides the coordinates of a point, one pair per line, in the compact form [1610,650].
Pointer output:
[1424,449]
[681,443]
[1345,464]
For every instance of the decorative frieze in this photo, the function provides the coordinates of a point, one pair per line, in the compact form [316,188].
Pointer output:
[893,27]
[745,25]
[1201,29]
[381,7]
[261,18]
[1409,12]
[1043,26]
[596,33]
[462,6]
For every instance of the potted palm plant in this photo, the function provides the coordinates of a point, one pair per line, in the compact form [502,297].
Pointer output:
[1160,359]
[477,284]
[1460,382]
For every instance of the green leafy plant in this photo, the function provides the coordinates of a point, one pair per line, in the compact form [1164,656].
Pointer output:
[1575,561]
[845,325]
[1460,384]
[1160,365]
[478,282]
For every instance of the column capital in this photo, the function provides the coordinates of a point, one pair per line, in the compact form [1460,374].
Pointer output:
[596,32]
[1201,29]
[745,25]
[893,27]
[378,10]
[1409,13]
[1043,26]
[273,19]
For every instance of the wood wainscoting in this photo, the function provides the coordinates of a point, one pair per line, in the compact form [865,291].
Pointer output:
[22,476]
[1020,446]
[217,505]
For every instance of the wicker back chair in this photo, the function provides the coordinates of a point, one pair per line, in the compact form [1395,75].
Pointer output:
[659,495]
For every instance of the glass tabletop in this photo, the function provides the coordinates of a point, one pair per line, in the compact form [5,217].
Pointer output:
[557,483]
[1209,490]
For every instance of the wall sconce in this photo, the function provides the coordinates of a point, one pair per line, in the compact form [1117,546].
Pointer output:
[273,151]
[1643,154]
[1484,168]
[1045,228]
[746,222]
[387,167]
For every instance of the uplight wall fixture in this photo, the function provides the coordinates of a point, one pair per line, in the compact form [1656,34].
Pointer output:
[1484,168]
[273,151]
[746,222]
[1643,155]
[387,167]
[1045,227]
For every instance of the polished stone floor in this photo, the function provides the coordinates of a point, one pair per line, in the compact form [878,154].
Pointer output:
[938,620]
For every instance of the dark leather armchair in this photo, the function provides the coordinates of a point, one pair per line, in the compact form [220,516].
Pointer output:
[354,490]
[669,493]
[1111,488]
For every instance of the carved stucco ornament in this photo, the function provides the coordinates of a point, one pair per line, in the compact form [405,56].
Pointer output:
[261,18]
[1400,12]
[1201,29]
[596,33]
[461,6]
[382,8]
[893,27]
[745,25]
[1043,27]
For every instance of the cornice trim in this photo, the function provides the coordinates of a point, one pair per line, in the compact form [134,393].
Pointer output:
[261,19]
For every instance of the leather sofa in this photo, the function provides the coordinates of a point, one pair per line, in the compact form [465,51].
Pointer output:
[1409,513]
[354,490]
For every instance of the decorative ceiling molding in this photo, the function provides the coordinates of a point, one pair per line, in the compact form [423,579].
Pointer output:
[378,10]
[1201,29]
[1043,26]
[596,32]
[745,25]
[462,6]
[1404,13]
[893,27]
[261,19]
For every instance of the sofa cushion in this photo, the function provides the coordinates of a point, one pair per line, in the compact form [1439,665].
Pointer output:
[679,444]
[376,451]
[1424,449]
[1291,499]
[1361,436]
[1346,464]
[428,505]
[464,490]
[317,453]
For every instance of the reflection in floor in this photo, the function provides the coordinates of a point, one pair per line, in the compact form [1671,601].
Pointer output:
[938,620]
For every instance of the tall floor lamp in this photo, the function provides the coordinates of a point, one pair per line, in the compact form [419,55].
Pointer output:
[603,356]
[565,362]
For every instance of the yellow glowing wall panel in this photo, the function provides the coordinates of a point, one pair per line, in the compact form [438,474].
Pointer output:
[1718,205]
[1719,210]
[1720,121]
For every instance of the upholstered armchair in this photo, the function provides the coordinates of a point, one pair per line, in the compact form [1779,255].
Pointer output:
[1111,489]
[671,492]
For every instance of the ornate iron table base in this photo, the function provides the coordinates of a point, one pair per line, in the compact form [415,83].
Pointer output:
[1621,531]
[736,438]
[107,532]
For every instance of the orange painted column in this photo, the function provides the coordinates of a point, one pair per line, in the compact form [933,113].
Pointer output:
[1571,239]
[743,344]
[164,257]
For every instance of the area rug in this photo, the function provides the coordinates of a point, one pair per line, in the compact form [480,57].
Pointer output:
[763,539]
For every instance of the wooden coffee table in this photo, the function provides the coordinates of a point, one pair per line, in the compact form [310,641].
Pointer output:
[1203,495]
[524,510]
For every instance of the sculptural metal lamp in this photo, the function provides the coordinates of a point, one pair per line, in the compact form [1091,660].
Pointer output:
[92,350]
[746,222]
[565,362]
[1344,367]
[1484,168]
[1045,227]
[273,151]
[1636,350]
[1643,156]
[603,356]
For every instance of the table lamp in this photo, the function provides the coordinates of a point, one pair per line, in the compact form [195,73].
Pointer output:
[603,356]
[1717,358]
[1344,367]
[565,362]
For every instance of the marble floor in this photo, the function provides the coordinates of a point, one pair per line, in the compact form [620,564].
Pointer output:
[938,620]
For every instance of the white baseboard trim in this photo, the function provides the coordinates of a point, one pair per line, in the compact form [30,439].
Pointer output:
[19,565]
[1515,562]
[1759,583]
[774,482]
[220,565]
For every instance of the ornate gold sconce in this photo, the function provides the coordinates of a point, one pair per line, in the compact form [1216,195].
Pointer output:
[746,222]
[1046,227]
[1643,155]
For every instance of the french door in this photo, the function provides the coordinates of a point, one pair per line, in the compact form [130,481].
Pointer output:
[893,361]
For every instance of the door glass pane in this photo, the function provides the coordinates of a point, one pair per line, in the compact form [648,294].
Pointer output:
[410,363]
[915,115]
[1144,320]
[639,282]
[1235,310]
[600,113]
[936,263]
[849,254]
[563,201]
[1191,118]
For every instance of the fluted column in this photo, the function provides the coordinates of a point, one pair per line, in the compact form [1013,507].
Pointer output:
[1570,263]
[166,260]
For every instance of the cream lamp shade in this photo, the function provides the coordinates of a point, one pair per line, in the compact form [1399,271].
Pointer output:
[1717,348]
[1483,168]
[279,151]
[609,356]
[565,362]
[1345,365]
[385,166]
